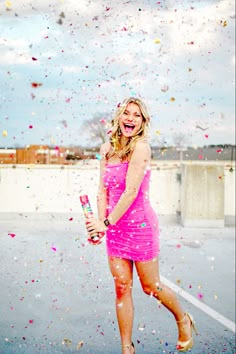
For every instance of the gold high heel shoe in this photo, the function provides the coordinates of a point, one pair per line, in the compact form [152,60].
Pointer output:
[128,346]
[187,345]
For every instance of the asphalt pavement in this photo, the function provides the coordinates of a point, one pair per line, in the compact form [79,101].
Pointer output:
[57,294]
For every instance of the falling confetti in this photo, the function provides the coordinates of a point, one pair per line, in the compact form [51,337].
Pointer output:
[222,23]
[8,4]
[157,40]
[36,84]
[98,157]
[4,133]
[165,88]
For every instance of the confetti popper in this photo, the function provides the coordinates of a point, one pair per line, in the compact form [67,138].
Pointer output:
[88,213]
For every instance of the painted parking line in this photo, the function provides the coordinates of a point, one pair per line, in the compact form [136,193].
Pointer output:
[208,310]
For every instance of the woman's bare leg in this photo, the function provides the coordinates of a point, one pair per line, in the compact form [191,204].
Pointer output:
[148,273]
[122,272]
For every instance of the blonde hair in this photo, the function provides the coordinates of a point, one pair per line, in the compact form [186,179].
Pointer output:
[115,138]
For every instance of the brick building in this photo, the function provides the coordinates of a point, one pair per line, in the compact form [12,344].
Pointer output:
[40,154]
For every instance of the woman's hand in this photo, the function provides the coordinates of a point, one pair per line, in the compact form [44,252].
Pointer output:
[95,226]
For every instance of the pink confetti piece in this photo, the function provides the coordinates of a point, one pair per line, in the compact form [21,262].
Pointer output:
[34,59]
[31,321]
[70,219]
[200,296]
[30,126]
[178,245]
[206,136]
[12,235]
[53,249]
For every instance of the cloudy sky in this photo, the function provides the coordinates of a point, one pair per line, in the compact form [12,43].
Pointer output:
[64,61]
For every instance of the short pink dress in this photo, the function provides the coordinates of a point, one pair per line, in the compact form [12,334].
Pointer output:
[136,234]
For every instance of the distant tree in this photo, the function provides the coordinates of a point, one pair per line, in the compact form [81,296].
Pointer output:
[96,128]
[180,140]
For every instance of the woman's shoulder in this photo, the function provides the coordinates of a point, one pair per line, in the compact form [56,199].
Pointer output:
[142,147]
[143,144]
[105,148]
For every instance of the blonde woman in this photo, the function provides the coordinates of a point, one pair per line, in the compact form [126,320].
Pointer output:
[131,225]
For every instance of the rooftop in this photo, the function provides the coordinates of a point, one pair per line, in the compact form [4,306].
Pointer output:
[58,294]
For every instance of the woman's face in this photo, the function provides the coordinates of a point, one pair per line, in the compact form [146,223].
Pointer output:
[131,120]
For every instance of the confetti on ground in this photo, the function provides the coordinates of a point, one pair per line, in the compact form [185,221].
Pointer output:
[67,342]
[79,345]
[200,296]
[12,235]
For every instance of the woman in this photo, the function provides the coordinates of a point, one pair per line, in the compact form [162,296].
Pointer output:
[131,225]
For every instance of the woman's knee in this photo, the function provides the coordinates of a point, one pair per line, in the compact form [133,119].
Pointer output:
[151,290]
[123,288]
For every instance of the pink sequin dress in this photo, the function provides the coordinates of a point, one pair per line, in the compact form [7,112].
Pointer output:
[136,234]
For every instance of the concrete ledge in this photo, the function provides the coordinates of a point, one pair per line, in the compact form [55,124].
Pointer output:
[230,220]
[57,216]
[205,223]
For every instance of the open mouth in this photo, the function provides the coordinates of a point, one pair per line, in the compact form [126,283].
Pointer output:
[129,128]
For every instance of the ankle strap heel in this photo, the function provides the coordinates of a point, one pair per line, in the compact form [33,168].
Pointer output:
[128,346]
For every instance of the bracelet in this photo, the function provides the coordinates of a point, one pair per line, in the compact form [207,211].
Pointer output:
[106,222]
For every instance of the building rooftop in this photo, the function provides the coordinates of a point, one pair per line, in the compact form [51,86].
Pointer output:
[58,294]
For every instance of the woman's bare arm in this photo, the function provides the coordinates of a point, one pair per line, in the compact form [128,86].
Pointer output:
[102,192]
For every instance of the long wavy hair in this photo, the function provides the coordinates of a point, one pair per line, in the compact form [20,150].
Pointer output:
[115,137]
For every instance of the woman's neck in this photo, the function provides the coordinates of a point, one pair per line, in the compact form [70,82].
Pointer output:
[123,141]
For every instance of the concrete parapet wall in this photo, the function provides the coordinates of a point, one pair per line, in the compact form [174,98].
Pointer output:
[56,189]
[202,195]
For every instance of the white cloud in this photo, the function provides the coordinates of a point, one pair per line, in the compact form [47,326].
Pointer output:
[72,69]
[14,58]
